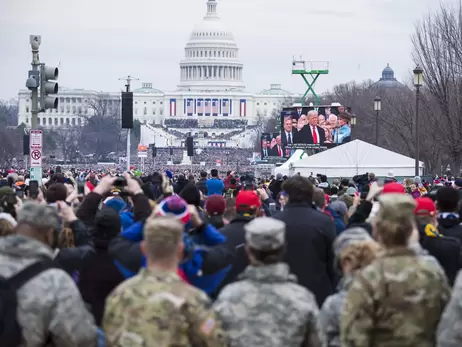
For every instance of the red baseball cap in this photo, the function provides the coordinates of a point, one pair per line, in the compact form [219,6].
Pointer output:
[215,205]
[248,199]
[425,207]
[393,188]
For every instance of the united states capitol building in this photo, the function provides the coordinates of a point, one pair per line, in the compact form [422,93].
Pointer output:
[210,101]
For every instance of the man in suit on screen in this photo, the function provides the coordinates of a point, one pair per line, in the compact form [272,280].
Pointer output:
[277,149]
[287,133]
[265,150]
[312,134]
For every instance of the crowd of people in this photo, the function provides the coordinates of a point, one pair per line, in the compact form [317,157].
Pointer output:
[210,156]
[176,259]
[195,123]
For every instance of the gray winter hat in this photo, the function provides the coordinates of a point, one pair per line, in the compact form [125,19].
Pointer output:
[265,234]
[339,207]
[351,191]
[347,238]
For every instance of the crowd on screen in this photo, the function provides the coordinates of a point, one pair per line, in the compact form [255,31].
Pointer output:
[320,127]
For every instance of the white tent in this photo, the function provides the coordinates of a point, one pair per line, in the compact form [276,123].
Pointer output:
[284,168]
[355,158]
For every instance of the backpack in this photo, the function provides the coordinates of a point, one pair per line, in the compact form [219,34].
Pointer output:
[10,330]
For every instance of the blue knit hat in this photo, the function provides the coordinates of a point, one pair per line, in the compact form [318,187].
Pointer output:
[116,204]
[176,207]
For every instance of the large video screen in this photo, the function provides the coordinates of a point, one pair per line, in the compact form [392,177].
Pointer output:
[304,127]
[271,146]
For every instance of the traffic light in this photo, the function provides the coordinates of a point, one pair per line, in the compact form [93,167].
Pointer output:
[48,87]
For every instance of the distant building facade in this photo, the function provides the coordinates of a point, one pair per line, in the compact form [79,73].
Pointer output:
[211,86]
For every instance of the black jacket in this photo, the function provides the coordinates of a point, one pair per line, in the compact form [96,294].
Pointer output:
[275,187]
[445,249]
[309,238]
[235,235]
[450,227]
[98,277]
[71,259]
[358,219]
[202,186]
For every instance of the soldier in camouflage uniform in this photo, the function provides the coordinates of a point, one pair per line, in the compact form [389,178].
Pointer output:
[156,307]
[396,301]
[267,307]
[50,308]
[450,327]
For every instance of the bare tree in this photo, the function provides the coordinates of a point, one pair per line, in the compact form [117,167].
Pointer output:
[68,141]
[102,131]
[10,136]
[437,44]
[9,112]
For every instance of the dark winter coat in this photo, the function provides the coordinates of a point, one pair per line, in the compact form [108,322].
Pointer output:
[309,238]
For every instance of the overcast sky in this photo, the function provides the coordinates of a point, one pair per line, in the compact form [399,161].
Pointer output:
[98,41]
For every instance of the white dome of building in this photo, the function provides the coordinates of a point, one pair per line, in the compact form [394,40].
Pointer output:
[211,57]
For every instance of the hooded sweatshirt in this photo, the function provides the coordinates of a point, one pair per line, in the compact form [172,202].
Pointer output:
[129,259]
[49,304]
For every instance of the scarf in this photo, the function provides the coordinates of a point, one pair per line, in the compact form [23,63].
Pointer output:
[448,215]
[431,231]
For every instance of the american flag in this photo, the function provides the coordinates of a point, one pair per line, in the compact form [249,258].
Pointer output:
[215,107]
[207,107]
[243,108]
[190,107]
[172,107]
[225,106]
[200,107]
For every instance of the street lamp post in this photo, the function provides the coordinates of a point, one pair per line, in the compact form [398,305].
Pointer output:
[377,109]
[352,124]
[418,82]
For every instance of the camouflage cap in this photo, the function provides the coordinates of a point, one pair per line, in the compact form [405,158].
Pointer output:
[347,238]
[265,234]
[394,206]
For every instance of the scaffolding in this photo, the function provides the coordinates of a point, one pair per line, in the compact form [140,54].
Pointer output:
[313,69]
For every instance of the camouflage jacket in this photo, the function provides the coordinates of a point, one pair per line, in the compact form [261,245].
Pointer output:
[49,305]
[331,311]
[268,308]
[396,301]
[160,309]
[450,327]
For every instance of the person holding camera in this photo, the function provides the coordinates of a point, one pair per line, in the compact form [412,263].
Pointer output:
[209,260]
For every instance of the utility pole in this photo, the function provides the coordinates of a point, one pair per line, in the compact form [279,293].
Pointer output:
[128,81]
[35,41]
[43,77]
[418,83]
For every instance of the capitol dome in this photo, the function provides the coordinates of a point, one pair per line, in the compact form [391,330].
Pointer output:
[388,79]
[211,56]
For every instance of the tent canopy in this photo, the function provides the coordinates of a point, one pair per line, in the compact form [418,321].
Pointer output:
[354,158]
[284,168]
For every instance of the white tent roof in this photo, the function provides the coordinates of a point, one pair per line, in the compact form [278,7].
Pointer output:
[284,168]
[357,157]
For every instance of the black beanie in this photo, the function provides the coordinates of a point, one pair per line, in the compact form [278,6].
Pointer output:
[107,224]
